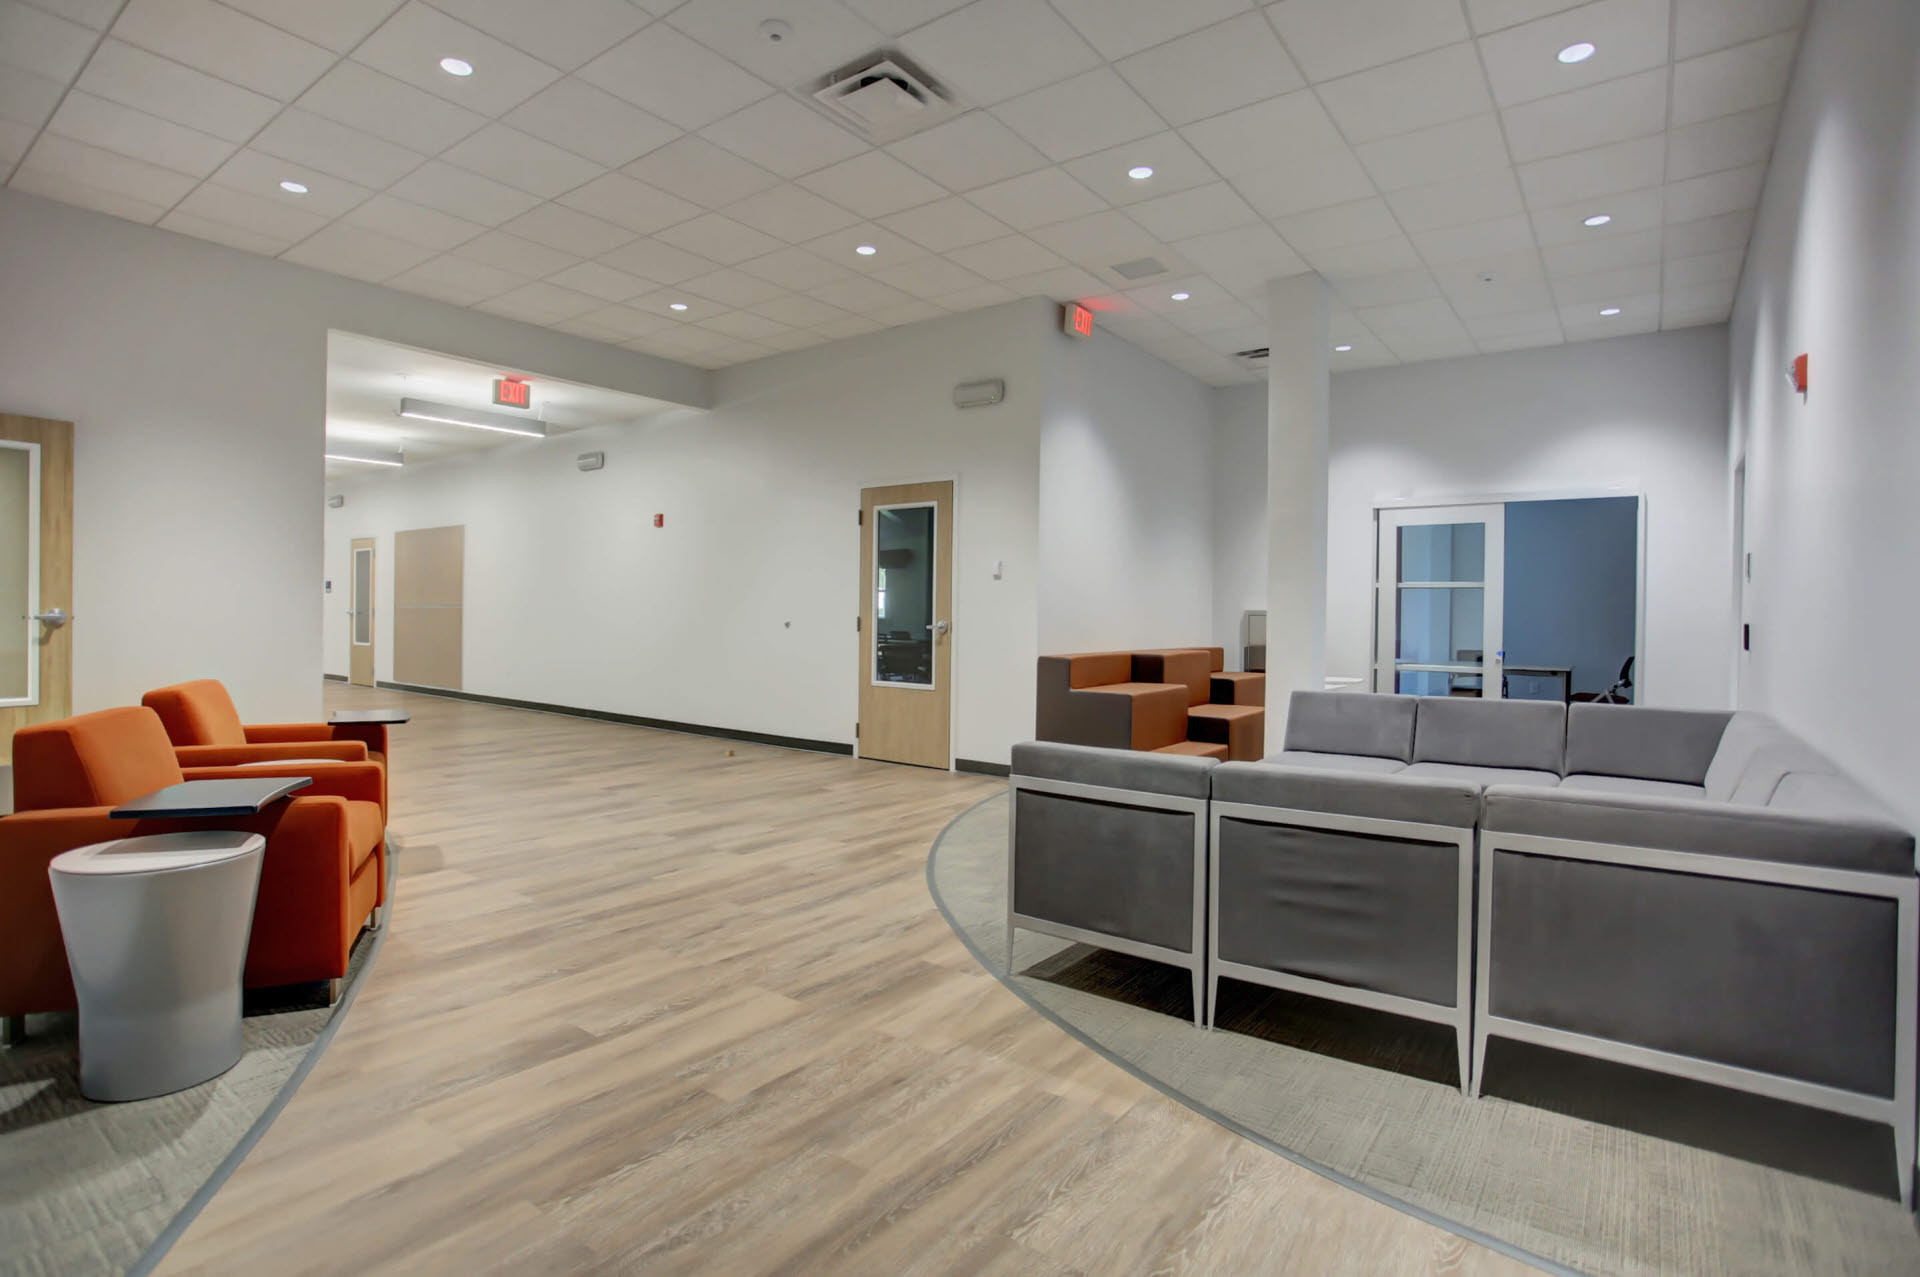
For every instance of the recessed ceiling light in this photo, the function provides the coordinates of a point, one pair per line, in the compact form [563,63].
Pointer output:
[456,66]
[1610,311]
[1180,297]
[1576,52]
[1139,172]
[676,305]
[294,188]
[866,250]
[1598,219]
[1341,350]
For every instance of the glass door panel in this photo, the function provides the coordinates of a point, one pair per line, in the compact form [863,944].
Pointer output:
[19,573]
[903,595]
[362,597]
[1438,589]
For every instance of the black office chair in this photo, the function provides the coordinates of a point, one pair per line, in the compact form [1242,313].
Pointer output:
[1620,693]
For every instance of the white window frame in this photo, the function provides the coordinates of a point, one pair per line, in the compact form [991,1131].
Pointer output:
[33,575]
[933,586]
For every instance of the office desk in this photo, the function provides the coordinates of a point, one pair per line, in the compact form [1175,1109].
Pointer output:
[1562,672]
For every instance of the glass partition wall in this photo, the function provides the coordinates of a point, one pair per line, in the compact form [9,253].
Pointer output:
[1528,600]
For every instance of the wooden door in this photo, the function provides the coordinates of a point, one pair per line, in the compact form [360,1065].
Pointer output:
[429,585]
[906,640]
[360,613]
[36,573]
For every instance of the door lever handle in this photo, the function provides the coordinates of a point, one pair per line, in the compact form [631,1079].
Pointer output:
[941,627]
[53,618]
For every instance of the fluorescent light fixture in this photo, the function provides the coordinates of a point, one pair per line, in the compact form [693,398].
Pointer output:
[294,188]
[456,66]
[866,250]
[365,456]
[1577,52]
[1610,311]
[1341,350]
[1180,297]
[676,305]
[1139,172]
[478,418]
[1598,219]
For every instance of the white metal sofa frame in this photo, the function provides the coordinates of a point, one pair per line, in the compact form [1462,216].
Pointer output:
[1459,1016]
[1194,962]
[1899,1111]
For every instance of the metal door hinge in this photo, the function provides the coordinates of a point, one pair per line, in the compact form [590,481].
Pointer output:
[856,731]
[860,517]
[856,625]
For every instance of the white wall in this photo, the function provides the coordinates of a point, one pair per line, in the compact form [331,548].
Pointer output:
[196,378]
[739,612]
[1645,413]
[1239,511]
[1833,519]
[1126,476]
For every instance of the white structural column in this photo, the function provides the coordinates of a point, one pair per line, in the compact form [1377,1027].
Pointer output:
[1297,431]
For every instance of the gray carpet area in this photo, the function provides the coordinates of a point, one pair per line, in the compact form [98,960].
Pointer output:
[86,1188]
[1586,1164]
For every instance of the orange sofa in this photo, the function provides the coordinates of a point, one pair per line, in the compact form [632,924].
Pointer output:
[1168,700]
[206,731]
[323,874]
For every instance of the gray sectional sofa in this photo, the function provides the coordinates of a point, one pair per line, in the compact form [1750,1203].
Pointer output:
[1695,892]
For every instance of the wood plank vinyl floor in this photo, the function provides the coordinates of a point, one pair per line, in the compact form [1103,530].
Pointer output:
[650,1008]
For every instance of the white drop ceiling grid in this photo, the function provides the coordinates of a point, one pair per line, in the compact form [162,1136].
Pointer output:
[1431,158]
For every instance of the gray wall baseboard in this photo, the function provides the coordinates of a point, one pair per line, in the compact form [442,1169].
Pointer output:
[631,720]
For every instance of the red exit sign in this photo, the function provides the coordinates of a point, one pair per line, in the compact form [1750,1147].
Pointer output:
[512,392]
[1076,321]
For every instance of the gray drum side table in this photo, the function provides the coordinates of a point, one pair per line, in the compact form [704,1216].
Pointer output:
[156,931]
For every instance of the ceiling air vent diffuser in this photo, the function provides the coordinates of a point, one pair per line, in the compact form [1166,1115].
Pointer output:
[1140,268]
[885,97]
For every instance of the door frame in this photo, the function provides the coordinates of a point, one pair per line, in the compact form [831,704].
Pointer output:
[33,449]
[1492,667]
[1627,489]
[50,574]
[860,602]
[371,545]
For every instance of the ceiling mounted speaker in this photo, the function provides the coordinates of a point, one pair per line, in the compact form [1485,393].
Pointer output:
[979,394]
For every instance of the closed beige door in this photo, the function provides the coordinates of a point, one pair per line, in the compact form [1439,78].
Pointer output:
[36,573]
[429,591]
[906,609]
[360,614]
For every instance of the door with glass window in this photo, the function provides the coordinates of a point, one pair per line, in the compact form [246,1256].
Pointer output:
[36,573]
[360,614]
[1439,586]
[906,643]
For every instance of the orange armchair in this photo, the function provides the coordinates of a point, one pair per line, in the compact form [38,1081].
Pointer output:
[322,877]
[201,716]
[206,731]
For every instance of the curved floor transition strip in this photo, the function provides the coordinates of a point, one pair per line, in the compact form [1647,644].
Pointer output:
[1568,1164]
[88,1190]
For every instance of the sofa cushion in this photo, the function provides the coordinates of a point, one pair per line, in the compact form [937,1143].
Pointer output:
[1482,776]
[1865,839]
[1336,762]
[1095,669]
[197,713]
[102,759]
[1113,768]
[1490,733]
[1432,802]
[1647,744]
[1746,732]
[1632,785]
[1378,726]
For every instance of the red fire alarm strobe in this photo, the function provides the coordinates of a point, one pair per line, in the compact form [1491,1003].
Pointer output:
[1797,374]
[1076,321]
[513,392]
[659,520]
